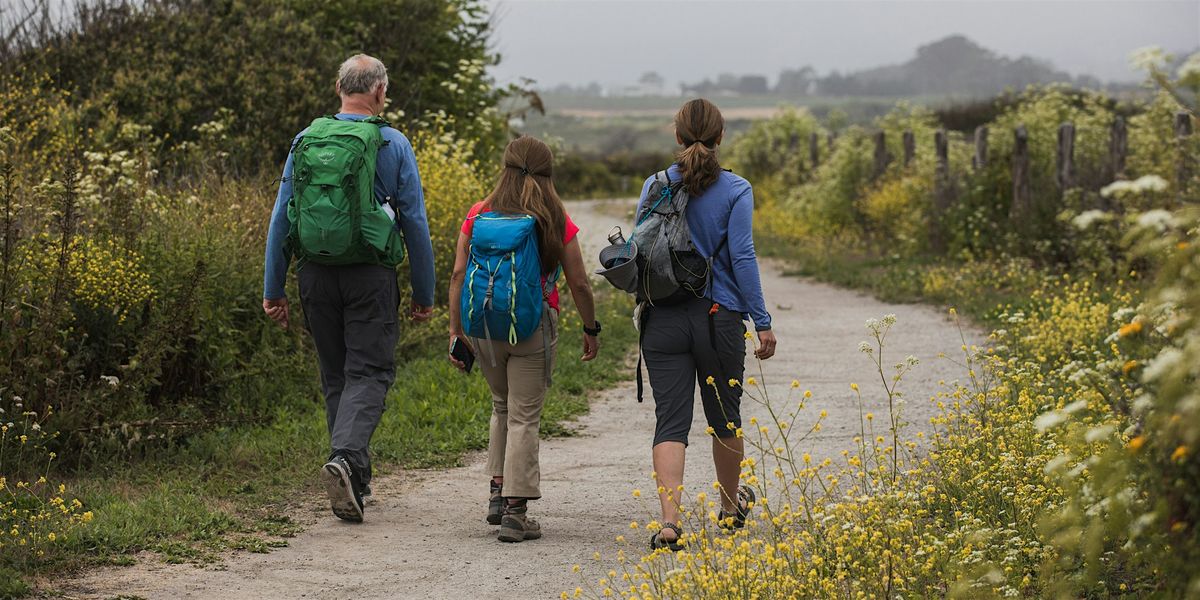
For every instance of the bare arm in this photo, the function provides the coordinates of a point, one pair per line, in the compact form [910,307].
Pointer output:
[581,290]
[456,285]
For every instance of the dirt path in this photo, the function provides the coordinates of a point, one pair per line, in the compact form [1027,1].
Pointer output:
[426,538]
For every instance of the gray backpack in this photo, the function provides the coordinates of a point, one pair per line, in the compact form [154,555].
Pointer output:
[670,269]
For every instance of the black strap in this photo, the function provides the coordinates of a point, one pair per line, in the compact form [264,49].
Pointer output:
[641,336]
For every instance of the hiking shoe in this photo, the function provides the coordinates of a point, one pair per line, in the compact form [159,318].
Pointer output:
[366,493]
[341,483]
[495,505]
[516,526]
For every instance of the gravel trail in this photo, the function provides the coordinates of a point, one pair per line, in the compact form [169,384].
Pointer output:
[425,536]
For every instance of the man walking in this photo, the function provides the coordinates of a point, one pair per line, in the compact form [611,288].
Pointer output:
[349,205]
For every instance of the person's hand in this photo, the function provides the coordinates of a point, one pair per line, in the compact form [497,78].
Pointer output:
[766,345]
[277,310]
[420,313]
[462,366]
[591,347]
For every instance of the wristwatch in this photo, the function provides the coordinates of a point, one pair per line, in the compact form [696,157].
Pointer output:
[592,332]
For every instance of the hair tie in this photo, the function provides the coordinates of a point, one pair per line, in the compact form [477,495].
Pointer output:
[524,171]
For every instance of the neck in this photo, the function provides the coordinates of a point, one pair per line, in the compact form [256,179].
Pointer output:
[352,106]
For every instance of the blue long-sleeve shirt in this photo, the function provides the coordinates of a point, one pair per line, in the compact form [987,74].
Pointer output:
[395,176]
[725,211]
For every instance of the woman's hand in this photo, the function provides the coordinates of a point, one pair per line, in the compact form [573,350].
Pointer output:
[591,347]
[766,345]
[450,350]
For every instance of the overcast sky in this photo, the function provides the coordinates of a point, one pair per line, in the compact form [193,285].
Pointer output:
[614,41]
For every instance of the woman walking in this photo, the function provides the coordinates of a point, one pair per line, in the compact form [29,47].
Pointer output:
[701,337]
[503,299]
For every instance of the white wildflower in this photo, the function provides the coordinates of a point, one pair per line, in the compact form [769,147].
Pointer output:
[1085,219]
[1148,58]
[1156,219]
[1190,69]
[1049,420]
[1097,434]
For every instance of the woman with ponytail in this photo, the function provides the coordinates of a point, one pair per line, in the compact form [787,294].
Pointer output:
[701,338]
[517,370]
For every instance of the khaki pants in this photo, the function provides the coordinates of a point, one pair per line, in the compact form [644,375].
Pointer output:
[518,383]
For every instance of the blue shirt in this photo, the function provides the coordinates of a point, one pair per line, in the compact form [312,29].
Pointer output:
[395,176]
[725,211]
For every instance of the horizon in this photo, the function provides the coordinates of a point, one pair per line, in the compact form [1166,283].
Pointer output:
[1100,36]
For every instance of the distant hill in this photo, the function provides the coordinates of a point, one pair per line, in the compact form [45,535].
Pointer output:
[951,66]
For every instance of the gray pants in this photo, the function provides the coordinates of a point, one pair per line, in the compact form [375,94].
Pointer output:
[351,312]
[682,351]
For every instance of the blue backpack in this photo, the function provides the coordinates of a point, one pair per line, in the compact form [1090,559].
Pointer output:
[504,295]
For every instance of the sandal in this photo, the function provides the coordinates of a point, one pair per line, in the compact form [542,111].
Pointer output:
[745,498]
[657,542]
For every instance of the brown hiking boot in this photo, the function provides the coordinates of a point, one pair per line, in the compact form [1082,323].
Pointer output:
[516,526]
[495,505]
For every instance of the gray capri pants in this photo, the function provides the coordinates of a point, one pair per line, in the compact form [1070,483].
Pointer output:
[679,352]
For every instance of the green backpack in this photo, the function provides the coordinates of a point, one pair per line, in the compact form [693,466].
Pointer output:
[335,218]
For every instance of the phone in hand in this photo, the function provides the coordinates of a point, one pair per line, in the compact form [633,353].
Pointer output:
[462,353]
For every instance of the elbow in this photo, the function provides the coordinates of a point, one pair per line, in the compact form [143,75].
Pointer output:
[580,288]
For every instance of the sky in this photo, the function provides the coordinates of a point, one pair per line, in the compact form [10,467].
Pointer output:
[614,41]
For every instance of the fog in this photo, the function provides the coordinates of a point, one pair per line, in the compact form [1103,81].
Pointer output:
[613,42]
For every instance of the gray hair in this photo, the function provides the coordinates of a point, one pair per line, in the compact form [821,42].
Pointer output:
[361,74]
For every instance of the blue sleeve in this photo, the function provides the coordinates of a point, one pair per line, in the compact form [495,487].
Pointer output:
[410,199]
[642,198]
[278,255]
[744,259]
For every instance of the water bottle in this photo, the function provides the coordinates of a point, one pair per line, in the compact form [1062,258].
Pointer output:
[616,237]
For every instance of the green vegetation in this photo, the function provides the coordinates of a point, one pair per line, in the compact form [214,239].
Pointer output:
[146,403]
[239,487]
[1066,465]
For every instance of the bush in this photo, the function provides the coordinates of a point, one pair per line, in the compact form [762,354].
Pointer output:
[157,63]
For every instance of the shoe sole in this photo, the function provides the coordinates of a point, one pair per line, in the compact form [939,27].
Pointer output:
[341,495]
[512,532]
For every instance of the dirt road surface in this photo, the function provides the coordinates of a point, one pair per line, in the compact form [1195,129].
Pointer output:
[425,535]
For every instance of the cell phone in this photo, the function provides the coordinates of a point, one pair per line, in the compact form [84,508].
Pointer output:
[462,353]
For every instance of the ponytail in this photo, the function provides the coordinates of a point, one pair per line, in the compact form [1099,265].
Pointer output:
[699,166]
[699,125]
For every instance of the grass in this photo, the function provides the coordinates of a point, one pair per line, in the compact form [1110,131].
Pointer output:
[238,488]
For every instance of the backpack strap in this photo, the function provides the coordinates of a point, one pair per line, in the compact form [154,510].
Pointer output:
[641,327]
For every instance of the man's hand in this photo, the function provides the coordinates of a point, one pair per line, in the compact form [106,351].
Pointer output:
[766,345]
[591,347]
[277,310]
[420,313]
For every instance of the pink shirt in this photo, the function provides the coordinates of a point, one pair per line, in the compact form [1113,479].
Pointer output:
[569,233]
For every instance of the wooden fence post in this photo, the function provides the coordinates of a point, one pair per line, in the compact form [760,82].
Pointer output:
[1021,197]
[1066,157]
[979,160]
[882,158]
[910,147]
[1183,168]
[942,192]
[814,149]
[1118,149]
